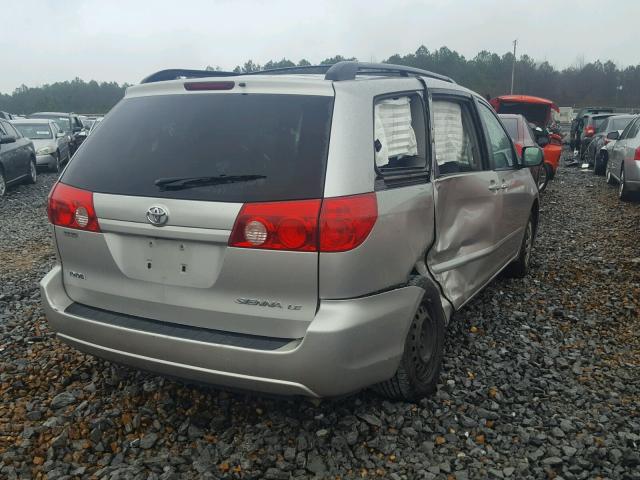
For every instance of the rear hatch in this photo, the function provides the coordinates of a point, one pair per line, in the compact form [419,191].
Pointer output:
[189,161]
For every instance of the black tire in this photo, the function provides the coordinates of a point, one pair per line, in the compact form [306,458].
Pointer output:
[600,164]
[3,184]
[32,177]
[419,370]
[55,167]
[623,191]
[520,266]
[543,179]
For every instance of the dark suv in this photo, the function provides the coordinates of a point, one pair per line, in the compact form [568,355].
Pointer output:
[577,124]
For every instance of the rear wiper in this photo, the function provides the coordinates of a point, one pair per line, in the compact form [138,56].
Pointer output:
[180,183]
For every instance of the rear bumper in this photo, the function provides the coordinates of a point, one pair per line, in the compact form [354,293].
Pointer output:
[349,345]
[632,175]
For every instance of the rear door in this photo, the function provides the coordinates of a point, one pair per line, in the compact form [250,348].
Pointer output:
[22,150]
[619,149]
[468,204]
[514,184]
[184,271]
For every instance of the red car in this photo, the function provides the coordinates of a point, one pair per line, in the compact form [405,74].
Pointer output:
[523,136]
[536,110]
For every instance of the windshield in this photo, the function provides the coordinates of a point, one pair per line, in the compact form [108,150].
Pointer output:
[281,138]
[34,131]
[64,123]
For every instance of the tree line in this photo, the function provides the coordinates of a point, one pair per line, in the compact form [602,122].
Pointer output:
[487,73]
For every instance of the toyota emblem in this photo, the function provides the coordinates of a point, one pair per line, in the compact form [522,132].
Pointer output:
[157,215]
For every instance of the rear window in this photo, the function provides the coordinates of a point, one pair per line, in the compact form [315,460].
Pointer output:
[283,139]
[511,124]
[619,123]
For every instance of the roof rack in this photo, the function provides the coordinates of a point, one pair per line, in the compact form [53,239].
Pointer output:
[349,70]
[346,70]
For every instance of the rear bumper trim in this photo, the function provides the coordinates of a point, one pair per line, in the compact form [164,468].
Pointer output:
[186,332]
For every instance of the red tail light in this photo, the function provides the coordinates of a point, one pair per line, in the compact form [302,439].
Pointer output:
[329,225]
[278,226]
[72,207]
[589,131]
[636,155]
[345,222]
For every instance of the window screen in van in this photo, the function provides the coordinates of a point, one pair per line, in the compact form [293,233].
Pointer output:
[282,140]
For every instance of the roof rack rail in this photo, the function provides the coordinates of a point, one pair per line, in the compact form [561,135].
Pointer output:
[348,70]
[177,73]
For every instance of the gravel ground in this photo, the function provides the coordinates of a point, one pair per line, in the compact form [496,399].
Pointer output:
[541,378]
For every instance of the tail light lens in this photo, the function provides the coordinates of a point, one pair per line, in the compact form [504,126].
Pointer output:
[636,155]
[589,131]
[345,222]
[278,226]
[72,207]
[330,225]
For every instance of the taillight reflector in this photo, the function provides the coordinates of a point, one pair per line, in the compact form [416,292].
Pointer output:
[195,86]
[589,131]
[72,207]
[331,225]
[636,155]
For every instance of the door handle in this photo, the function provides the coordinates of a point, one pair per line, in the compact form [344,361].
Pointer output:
[504,186]
[494,187]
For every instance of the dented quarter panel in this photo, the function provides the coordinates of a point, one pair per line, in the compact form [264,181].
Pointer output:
[402,233]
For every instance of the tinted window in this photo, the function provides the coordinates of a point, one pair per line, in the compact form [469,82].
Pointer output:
[399,134]
[34,131]
[502,155]
[281,137]
[456,143]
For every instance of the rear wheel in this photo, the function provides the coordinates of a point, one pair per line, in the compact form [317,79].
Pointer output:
[544,176]
[520,266]
[55,166]
[419,370]
[33,172]
[3,184]
[623,191]
[599,164]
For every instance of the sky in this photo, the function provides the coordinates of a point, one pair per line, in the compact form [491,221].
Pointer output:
[44,41]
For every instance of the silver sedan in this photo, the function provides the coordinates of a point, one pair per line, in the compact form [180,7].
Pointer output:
[623,166]
[51,143]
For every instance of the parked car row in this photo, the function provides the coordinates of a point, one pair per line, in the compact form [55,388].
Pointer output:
[530,119]
[42,139]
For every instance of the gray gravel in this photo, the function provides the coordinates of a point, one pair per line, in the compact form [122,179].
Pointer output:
[541,378]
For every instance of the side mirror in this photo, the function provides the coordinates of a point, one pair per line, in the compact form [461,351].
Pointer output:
[615,135]
[7,139]
[532,156]
[542,141]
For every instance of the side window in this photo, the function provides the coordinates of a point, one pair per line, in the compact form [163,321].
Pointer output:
[399,134]
[2,130]
[627,130]
[501,151]
[456,143]
[633,132]
[10,130]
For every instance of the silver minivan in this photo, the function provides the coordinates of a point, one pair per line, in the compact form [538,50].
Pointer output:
[305,231]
